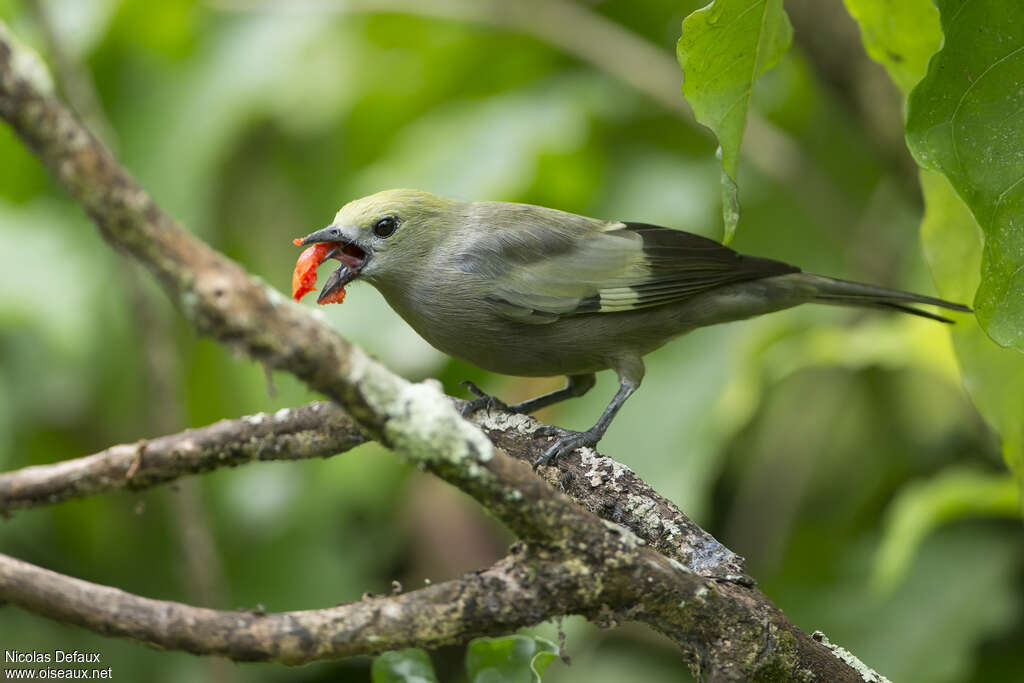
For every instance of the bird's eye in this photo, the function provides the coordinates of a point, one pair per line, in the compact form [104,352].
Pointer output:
[385,227]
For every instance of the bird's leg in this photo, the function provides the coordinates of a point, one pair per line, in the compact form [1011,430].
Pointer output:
[575,386]
[481,402]
[569,440]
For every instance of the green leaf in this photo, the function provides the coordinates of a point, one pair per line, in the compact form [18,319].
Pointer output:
[920,508]
[901,35]
[949,233]
[403,666]
[993,376]
[724,47]
[509,659]
[966,120]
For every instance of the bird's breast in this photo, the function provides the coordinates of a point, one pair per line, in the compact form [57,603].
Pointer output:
[461,322]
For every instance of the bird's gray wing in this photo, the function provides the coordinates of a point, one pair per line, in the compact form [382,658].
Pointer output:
[622,267]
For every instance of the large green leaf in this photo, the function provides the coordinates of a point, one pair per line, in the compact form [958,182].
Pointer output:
[901,35]
[966,120]
[509,659]
[724,47]
[993,376]
[951,237]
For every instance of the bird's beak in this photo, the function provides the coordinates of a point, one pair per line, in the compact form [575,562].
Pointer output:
[351,255]
[332,233]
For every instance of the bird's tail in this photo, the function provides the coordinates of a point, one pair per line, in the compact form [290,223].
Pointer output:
[827,290]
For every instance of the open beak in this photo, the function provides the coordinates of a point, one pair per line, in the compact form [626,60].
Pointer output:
[351,256]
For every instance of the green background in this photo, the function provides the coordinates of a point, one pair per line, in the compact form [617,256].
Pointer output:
[819,443]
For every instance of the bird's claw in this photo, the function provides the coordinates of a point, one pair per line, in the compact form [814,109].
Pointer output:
[481,402]
[568,441]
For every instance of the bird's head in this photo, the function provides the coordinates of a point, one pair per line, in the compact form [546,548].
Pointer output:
[385,234]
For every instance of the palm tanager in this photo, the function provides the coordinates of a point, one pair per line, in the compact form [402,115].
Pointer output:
[531,291]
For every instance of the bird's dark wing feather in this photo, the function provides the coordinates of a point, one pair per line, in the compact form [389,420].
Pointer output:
[682,264]
[625,266]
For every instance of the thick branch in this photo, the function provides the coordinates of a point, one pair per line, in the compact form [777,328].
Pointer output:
[615,493]
[507,596]
[729,631]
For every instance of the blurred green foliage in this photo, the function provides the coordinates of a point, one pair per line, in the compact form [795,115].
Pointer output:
[793,437]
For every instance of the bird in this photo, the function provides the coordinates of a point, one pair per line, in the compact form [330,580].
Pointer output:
[532,291]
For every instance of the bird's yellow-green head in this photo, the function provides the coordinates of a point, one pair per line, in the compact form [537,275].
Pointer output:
[382,235]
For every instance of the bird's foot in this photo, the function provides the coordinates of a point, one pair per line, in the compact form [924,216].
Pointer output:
[568,441]
[481,402]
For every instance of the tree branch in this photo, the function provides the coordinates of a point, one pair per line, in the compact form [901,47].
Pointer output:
[513,593]
[728,631]
[316,430]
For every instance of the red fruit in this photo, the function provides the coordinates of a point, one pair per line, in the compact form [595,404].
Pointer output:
[304,277]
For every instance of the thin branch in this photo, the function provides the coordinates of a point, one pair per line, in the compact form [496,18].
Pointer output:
[316,430]
[728,631]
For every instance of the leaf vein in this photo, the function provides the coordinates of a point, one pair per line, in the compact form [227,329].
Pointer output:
[963,97]
[1002,195]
